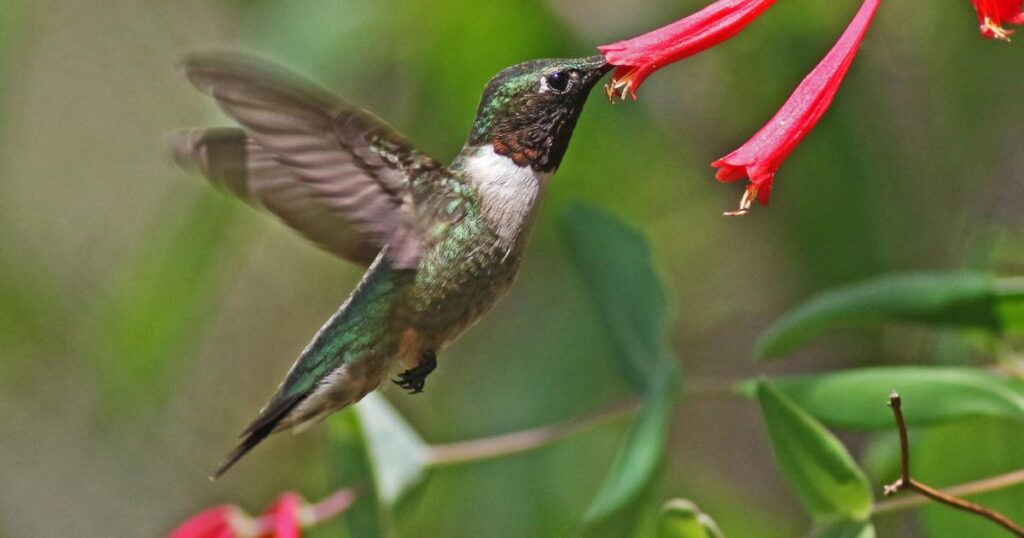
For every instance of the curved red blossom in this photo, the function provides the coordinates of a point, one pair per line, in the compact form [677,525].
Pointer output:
[283,517]
[637,58]
[217,522]
[760,157]
[992,14]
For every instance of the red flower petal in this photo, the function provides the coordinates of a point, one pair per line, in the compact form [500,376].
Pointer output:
[993,13]
[284,516]
[216,522]
[639,57]
[761,156]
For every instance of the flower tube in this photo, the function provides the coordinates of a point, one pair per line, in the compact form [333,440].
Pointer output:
[760,157]
[637,58]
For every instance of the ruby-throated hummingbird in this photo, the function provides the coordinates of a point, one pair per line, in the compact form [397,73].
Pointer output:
[443,243]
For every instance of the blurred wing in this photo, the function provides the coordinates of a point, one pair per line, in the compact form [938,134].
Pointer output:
[334,172]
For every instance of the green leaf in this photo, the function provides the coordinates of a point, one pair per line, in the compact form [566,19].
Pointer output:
[819,469]
[958,299]
[399,457]
[855,399]
[680,518]
[846,529]
[631,302]
[638,457]
[614,261]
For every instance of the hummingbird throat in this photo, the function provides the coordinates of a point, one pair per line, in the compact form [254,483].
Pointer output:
[509,191]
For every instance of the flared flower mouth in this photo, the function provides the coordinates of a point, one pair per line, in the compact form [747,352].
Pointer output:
[993,14]
[635,59]
[623,84]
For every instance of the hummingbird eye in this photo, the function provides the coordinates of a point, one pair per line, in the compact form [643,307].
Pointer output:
[558,81]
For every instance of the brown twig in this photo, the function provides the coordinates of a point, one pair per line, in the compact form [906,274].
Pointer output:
[963,490]
[906,482]
[522,441]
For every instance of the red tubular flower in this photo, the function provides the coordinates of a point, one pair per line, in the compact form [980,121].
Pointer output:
[993,13]
[217,522]
[639,57]
[283,517]
[761,156]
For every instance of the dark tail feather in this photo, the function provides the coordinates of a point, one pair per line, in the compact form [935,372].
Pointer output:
[263,426]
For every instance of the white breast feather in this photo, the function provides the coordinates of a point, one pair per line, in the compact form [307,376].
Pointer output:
[508,192]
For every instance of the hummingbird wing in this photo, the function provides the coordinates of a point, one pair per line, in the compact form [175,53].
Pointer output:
[335,172]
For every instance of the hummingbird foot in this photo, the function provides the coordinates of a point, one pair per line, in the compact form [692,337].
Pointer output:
[414,379]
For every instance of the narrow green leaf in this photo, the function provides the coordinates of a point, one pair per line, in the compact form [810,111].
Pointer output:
[398,455]
[158,303]
[846,529]
[638,457]
[855,399]
[957,299]
[614,262]
[631,302]
[826,480]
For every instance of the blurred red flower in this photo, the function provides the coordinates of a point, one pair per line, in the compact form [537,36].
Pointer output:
[281,520]
[639,57]
[760,157]
[217,522]
[283,517]
[992,14]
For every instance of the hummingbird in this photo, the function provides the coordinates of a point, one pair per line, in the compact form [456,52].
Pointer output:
[442,244]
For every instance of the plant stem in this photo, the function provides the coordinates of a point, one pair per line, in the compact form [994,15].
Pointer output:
[905,482]
[985,485]
[522,441]
[329,506]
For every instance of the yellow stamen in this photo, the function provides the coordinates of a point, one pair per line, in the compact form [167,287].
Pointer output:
[997,30]
[745,203]
[620,88]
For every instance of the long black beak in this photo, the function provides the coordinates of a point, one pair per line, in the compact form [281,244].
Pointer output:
[594,68]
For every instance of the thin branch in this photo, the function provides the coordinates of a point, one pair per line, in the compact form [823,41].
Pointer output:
[906,482]
[522,441]
[985,485]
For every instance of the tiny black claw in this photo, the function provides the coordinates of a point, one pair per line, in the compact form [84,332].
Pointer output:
[415,379]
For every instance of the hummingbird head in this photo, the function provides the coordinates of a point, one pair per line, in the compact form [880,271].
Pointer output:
[528,111]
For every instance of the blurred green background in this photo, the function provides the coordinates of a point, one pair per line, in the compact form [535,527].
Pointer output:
[145,317]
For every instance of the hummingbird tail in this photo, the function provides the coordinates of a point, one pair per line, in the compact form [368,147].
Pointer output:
[263,426]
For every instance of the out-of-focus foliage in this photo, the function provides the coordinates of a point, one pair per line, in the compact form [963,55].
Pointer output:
[631,302]
[680,518]
[397,454]
[819,469]
[850,399]
[159,302]
[963,452]
[964,300]
[144,318]
[846,529]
